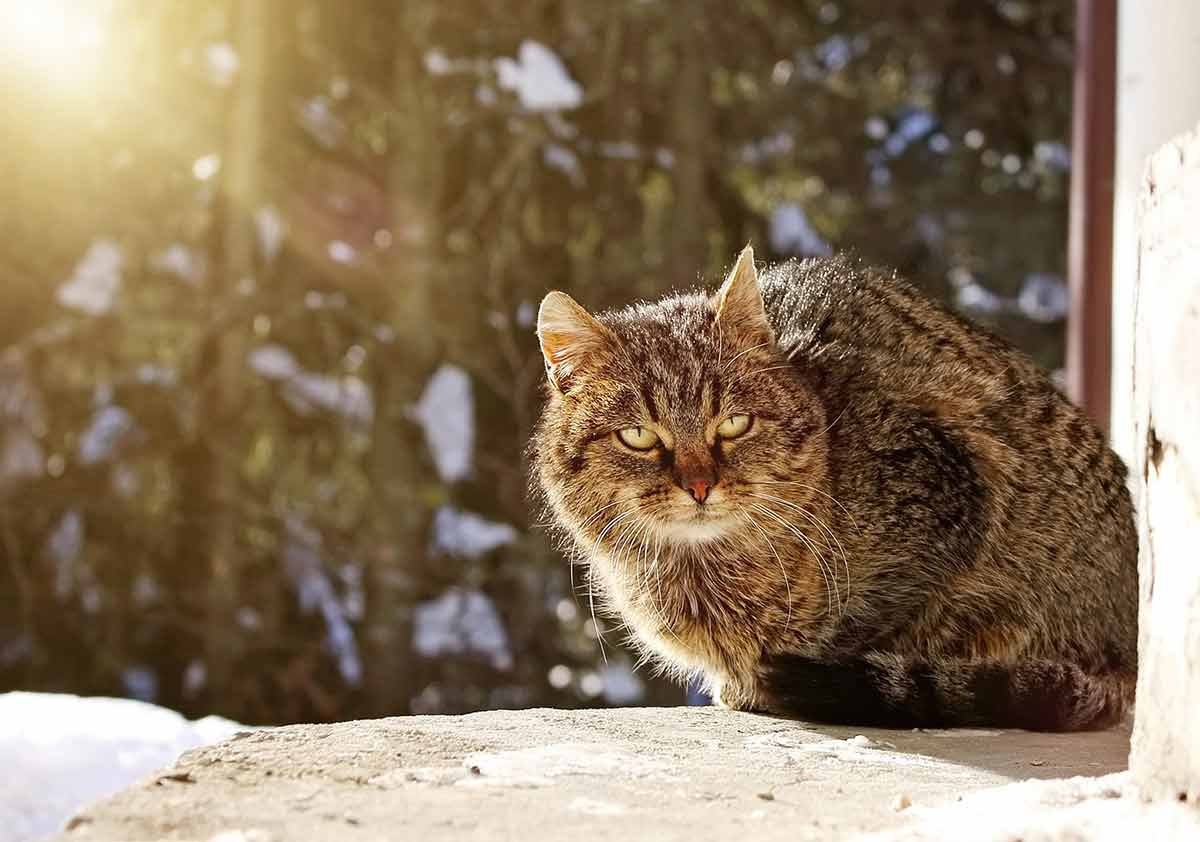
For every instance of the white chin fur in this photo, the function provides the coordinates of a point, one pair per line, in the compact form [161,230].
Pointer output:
[694,531]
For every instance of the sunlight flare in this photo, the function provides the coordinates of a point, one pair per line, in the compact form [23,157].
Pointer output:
[54,40]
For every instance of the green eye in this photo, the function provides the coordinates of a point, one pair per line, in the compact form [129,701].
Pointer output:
[638,438]
[733,426]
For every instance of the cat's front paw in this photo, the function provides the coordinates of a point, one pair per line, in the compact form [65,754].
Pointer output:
[732,695]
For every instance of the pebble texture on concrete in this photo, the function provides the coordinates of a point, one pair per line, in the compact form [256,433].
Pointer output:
[662,774]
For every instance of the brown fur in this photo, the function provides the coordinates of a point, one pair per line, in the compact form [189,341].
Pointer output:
[914,506]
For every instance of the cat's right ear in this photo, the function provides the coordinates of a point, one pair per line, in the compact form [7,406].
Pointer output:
[739,303]
[569,337]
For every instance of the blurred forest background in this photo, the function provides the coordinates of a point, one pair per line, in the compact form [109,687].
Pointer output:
[270,270]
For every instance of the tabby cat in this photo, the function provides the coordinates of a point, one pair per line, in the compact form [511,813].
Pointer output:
[829,498]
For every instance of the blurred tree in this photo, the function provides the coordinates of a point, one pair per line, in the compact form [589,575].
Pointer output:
[267,367]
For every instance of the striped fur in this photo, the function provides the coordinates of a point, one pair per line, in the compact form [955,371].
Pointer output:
[918,528]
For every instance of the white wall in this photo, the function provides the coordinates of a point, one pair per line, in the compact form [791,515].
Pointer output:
[1158,97]
[1165,755]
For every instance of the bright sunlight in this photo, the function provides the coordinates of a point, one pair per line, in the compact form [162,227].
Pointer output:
[58,41]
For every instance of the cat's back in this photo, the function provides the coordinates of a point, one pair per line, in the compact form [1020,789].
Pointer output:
[874,341]
[1051,495]
[872,338]
[842,310]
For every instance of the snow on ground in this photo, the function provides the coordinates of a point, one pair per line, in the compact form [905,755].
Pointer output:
[60,752]
[1105,809]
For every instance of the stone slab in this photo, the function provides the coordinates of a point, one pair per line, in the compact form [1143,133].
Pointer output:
[661,774]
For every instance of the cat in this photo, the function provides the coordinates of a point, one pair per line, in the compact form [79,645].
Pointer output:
[830,498]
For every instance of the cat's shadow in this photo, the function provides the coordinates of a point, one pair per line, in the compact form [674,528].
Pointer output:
[1013,754]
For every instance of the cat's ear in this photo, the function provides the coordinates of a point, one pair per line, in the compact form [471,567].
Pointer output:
[739,303]
[569,337]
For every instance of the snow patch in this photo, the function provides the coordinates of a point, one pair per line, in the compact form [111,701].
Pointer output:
[302,558]
[1105,809]
[67,751]
[273,362]
[305,391]
[912,126]
[349,397]
[271,230]
[1053,154]
[438,63]
[461,620]
[446,412]
[93,286]
[1044,297]
[156,375]
[974,296]
[317,118]
[560,158]
[110,426]
[792,233]
[64,547]
[179,260]
[467,534]
[140,682]
[858,750]
[538,78]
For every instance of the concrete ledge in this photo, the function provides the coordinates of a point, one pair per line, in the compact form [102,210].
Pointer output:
[663,774]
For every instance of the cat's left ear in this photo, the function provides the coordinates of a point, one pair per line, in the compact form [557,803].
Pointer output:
[570,337]
[739,303]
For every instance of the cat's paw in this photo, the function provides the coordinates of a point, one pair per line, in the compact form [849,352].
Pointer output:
[733,696]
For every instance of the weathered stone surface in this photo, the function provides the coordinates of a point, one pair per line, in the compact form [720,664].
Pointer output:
[662,774]
[1165,760]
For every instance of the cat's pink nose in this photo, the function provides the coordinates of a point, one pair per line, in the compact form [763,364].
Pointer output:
[699,489]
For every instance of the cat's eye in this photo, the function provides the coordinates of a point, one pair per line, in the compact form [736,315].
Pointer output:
[638,438]
[733,426]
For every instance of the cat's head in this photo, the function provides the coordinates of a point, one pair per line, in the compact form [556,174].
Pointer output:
[674,422]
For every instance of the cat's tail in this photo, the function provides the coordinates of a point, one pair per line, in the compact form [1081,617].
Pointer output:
[894,692]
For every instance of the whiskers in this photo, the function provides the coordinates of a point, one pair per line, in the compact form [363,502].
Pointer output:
[783,570]
[608,526]
[826,536]
[814,490]
[631,528]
